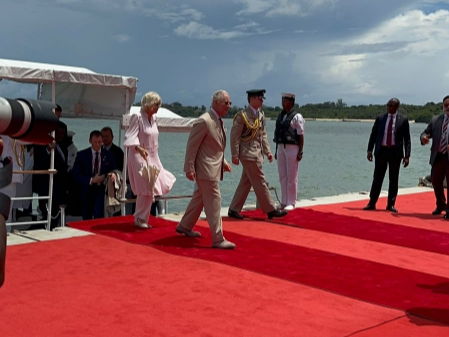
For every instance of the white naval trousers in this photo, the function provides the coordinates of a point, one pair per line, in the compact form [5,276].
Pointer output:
[288,167]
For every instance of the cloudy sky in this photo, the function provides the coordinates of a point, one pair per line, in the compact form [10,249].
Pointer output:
[363,51]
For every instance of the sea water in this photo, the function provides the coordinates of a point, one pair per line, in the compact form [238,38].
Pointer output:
[334,160]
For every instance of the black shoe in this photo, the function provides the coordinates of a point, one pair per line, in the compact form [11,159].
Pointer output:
[369,207]
[277,213]
[392,209]
[437,211]
[234,214]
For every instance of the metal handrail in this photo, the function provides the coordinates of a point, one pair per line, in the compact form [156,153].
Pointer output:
[51,172]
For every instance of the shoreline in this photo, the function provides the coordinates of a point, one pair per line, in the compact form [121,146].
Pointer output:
[351,120]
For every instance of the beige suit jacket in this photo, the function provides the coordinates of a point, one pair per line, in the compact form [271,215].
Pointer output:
[205,148]
[257,147]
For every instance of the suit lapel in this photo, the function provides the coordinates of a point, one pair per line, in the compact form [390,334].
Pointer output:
[439,126]
[219,131]
[398,121]
[384,124]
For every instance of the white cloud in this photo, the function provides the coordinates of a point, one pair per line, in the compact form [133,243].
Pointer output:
[196,30]
[121,38]
[192,13]
[254,6]
[285,8]
[274,8]
[406,53]
[66,2]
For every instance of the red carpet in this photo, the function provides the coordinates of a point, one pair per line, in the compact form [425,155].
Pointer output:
[422,294]
[416,238]
[103,287]
[414,211]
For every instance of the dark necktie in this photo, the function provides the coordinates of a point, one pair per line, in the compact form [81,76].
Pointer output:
[390,132]
[443,143]
[96,164]
[222,129]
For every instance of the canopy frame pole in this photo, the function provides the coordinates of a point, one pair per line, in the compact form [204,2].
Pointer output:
[52,163]
[125,159]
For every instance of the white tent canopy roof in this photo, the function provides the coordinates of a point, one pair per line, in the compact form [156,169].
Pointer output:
[81,92]
[168,121]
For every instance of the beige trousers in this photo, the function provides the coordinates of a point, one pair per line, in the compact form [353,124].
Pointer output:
[252,175]
[206,196]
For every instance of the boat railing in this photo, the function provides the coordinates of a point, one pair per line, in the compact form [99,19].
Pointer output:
[47,221]
[166,198]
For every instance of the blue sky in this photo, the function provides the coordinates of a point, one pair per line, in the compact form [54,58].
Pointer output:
[362,51]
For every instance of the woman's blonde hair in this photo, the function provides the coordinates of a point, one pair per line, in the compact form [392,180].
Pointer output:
[149,99]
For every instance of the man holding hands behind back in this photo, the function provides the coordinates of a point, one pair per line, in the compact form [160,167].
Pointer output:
[205,163]
[437,129]
[391,136]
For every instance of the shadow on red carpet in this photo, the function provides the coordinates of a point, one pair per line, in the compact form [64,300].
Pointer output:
[373,282]
[410,237]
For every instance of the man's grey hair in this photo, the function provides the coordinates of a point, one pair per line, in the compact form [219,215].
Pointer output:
[218,96]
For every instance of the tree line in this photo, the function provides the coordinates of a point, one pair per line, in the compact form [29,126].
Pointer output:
[328,110]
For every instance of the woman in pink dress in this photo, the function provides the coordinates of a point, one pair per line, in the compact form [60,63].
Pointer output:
[141,139]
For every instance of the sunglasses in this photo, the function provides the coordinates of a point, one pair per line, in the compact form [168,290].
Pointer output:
[227,103]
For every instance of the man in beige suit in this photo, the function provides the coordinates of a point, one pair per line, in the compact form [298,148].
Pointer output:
[249,144]
[205,163]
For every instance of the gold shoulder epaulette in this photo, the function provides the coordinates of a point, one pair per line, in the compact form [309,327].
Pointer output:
[250,130]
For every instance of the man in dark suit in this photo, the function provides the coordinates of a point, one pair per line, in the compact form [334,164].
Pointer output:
[89,171]
[391,136]
[437,129]
[108,137]
[42,157]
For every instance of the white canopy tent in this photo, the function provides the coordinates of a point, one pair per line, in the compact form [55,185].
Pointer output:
[168,121]
[83,93]
[80,91]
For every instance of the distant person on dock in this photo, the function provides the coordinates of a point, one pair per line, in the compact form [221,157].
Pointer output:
[249,144]
[437,129]
[289,139]
[390,136]
[142,140]
[205,164]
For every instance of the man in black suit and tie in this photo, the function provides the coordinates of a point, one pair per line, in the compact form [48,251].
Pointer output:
[42,158]
[391,136]
[89,171]
[438,131]
[108,137]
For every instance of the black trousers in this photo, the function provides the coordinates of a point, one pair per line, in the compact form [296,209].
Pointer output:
[93,204]
[387,157]
[440,170]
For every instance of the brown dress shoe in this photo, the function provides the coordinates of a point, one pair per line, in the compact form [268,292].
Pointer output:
[225,244]
[190,234]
